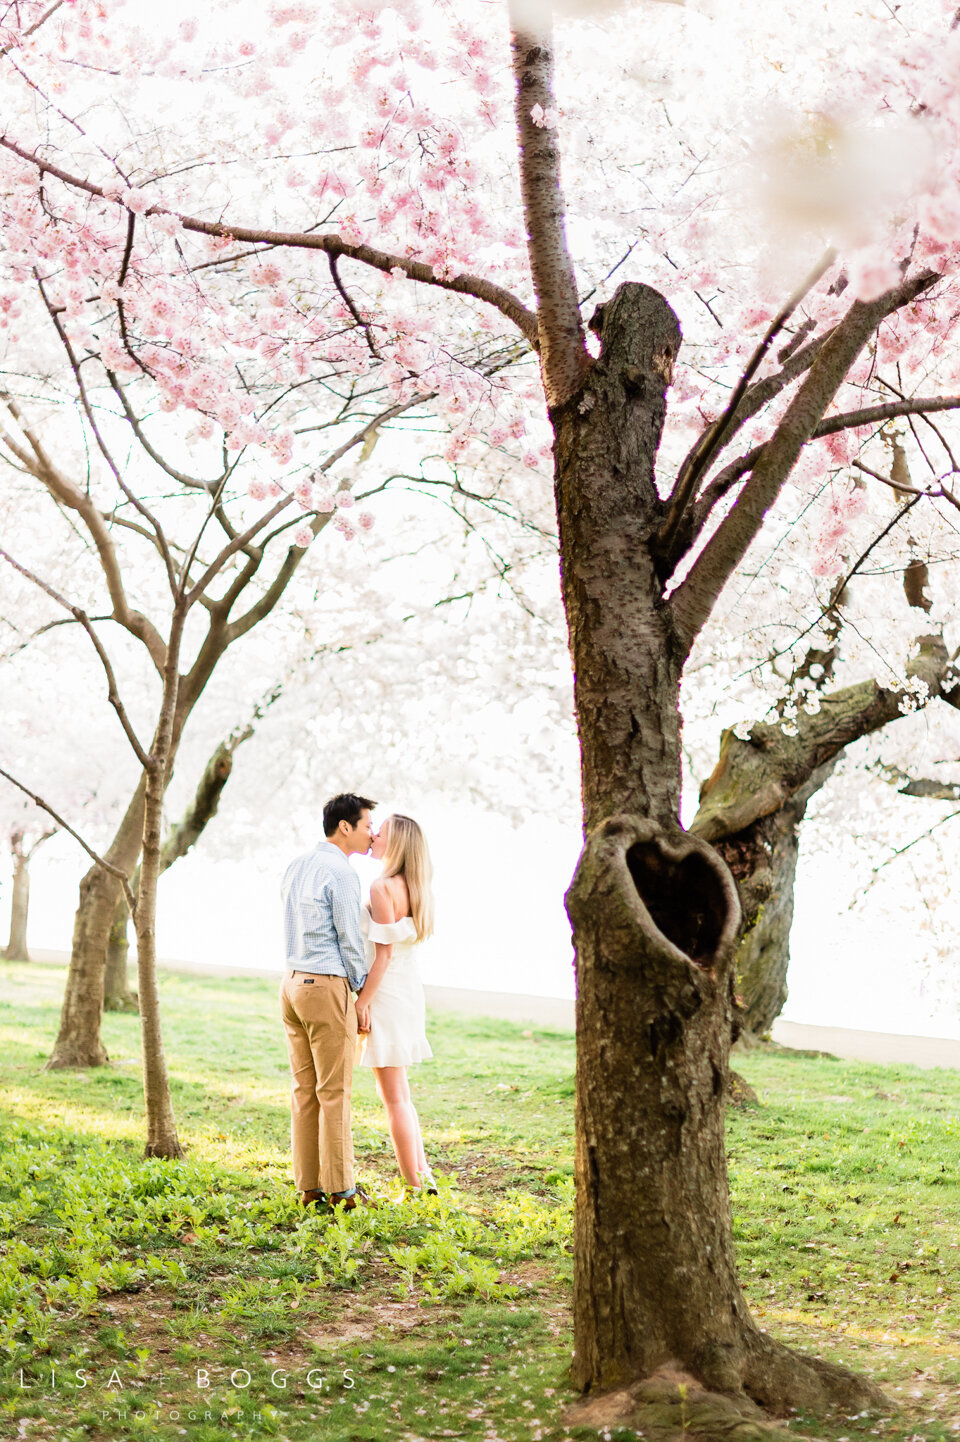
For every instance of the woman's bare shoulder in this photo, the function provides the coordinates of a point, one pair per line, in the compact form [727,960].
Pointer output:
[383,905]
[397,891]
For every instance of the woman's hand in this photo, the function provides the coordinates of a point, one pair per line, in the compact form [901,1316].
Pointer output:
[363,1017]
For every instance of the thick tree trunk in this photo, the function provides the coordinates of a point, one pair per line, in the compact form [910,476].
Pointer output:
[78,1041]
[656,920]
[16,949]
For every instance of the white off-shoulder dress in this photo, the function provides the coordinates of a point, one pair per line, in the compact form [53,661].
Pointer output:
[398,1034]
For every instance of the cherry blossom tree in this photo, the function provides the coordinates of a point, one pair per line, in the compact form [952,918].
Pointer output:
[257,502]
[484,713]
[406,234]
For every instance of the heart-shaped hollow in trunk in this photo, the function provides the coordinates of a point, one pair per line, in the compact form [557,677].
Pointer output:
[684,896]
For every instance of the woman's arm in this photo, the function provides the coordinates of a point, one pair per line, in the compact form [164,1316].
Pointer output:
[382,910]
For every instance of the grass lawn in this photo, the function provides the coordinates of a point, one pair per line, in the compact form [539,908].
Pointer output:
[195,1300]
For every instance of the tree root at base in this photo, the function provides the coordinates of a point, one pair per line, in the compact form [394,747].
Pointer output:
[671,1405]
[74,1056]
[165,1151]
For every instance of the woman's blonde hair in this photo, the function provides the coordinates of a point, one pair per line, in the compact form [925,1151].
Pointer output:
[406,854]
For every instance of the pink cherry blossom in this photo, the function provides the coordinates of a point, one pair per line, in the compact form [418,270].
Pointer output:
[871,273]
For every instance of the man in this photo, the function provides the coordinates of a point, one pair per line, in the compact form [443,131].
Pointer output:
[325,965]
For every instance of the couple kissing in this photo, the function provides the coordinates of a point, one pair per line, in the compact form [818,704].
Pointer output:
[351,993]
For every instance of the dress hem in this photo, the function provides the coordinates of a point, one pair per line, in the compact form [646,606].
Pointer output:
[399,1061]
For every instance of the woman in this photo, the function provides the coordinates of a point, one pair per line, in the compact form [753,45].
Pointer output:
[391,1005]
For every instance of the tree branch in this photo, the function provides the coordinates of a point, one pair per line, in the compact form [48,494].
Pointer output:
[871,415]
[107,866]
[475,286]
[344,295]
[724,480]
[194,483]
[756,776]
[716,436]
[40,466]
[928,788]
[239,543]
[840,586]
[898,851]
[697,594]
[563,351]
[32,29]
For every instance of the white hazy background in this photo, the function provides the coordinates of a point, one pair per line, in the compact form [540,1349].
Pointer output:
[501,925]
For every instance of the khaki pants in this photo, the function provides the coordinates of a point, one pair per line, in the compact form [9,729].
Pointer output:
[320,1020]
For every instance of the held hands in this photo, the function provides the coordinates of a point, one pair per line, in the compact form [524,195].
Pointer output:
[363,1018]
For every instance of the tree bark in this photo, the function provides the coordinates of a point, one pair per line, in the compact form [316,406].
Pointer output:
[162,1139]
[656,920]
[752,805]
[117,995]
[763,858]
[78,1042]
[179,840]
[16,949]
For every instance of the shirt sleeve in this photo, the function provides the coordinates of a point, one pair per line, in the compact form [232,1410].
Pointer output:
[345,905]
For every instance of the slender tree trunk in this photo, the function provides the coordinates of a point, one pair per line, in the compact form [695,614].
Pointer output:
[162,1132]
[179,840]
[656,922]
[16,949]
[162,1139]
[78,1042]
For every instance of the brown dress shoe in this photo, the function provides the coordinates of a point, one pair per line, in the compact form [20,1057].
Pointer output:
[314,1199]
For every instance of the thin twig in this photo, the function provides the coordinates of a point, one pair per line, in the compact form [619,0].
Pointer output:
[344,294]
[101,443]
[899,851]
[713,438]
[81,616]
[839,588]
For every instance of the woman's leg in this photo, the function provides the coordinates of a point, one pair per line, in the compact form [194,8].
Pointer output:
[402,1120]
[422,1163]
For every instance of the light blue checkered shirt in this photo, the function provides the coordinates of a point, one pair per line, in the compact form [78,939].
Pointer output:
[321,915]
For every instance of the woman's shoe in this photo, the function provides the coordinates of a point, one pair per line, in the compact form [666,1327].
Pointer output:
[427,1183]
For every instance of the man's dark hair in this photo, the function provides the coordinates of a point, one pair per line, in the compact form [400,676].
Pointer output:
[346,807]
